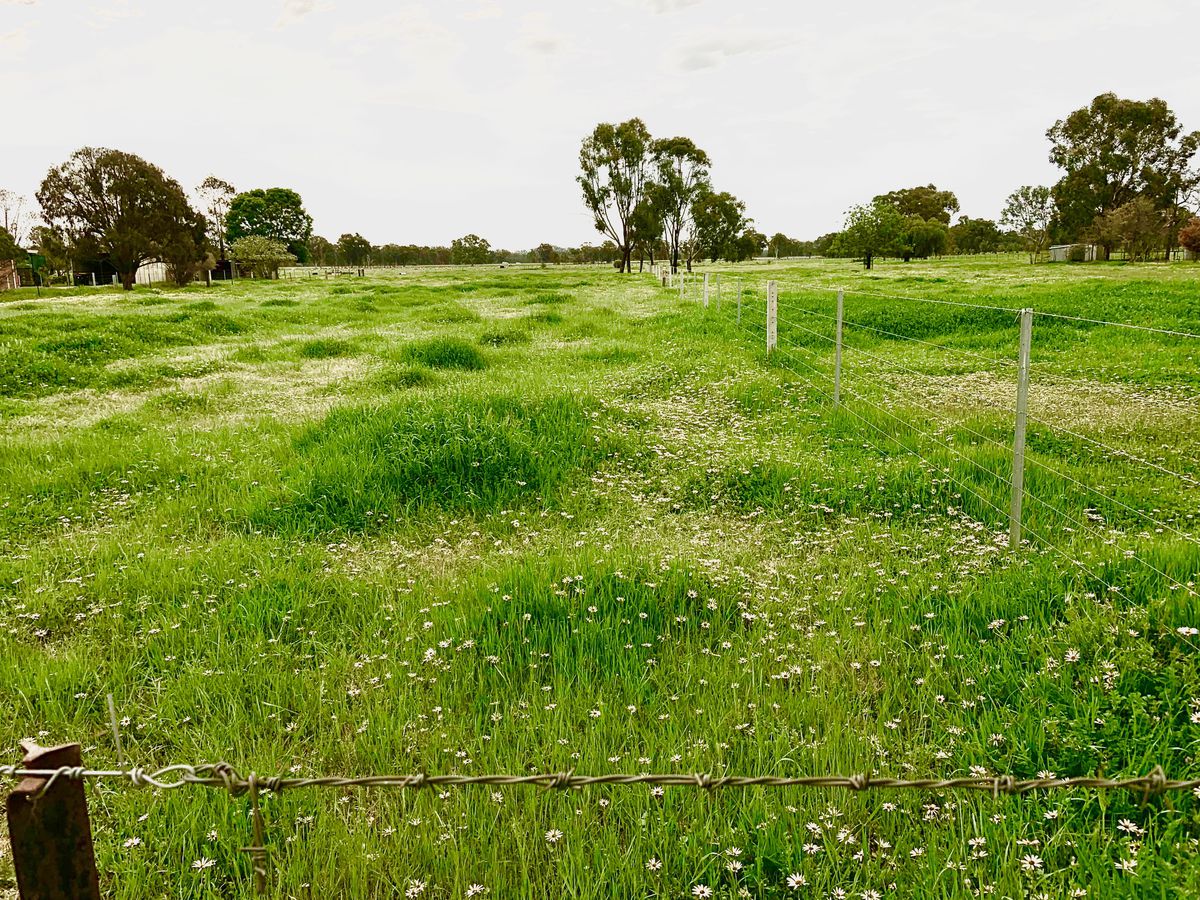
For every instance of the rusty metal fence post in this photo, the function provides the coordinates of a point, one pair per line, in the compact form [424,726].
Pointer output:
[49,829]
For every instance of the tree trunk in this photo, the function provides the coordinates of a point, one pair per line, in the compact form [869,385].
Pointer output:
[128,279]
[867,260]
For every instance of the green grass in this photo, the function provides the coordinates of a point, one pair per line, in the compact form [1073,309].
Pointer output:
[445,353]
[548,519]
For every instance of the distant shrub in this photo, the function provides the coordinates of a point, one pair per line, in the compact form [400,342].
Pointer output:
[279,301]
[1077,253]
[445,353]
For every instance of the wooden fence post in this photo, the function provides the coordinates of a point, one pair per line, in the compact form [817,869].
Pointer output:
[772,315]
[50,832]
[1018,474]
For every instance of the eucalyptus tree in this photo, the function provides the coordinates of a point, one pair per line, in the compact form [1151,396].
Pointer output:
[616,174]
[682,171]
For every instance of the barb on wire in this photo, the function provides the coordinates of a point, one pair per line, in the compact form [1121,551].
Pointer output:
[224,776]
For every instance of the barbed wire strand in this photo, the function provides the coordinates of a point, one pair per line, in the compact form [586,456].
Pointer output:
[225,777]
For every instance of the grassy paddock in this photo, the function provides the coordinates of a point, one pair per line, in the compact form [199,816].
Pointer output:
[484,521]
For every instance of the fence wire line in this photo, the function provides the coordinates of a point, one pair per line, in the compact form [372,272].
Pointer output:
[1182,405]
[937,467]
[848,292]
[951,423]
[225,776]
[1110,449]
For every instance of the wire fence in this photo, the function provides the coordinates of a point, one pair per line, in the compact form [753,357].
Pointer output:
[881,394]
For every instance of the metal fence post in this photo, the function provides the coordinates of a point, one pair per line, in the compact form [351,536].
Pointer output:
[706,290]
[1018,473]
[739,318]
[49,830]
[837,352]
[772,315]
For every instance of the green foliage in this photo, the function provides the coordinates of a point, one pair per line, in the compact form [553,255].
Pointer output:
[507,335]
[969,235]
[470,250]
[275,213]
[682,173]
[1030,211]
[719,220]
[706,569]
[9,251]
[261,256]
[118,206]
[926,203]
[327,348]
[1114,151]
[363,468]
[871,231]
[352,250]
[445,353]
[615,163]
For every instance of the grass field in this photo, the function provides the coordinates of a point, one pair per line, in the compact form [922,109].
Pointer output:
[537,520]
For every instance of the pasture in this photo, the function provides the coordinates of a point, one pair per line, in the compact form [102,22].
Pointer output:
[536,520]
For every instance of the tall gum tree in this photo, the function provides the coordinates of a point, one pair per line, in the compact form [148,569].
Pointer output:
[616,173]
[682,171]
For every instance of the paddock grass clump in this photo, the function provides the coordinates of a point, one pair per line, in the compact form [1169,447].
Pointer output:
[365,467]
[445,353]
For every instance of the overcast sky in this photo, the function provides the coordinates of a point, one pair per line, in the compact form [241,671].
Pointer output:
[417,122]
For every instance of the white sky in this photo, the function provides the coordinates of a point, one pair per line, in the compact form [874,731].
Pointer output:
[417,122]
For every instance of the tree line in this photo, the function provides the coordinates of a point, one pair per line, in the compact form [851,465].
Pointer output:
[1128,184]
[112,211]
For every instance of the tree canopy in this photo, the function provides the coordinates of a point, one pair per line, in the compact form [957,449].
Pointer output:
[681,172]
[215,196]
[927,203]
[470,250]
[1115,151]
[9,250]
[116,205]
[354,249]
[276,213]
[871,231]
[261,256]
[615,163]
[1029,211]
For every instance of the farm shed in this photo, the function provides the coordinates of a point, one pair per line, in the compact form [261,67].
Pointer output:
[1063,252]
[151,273]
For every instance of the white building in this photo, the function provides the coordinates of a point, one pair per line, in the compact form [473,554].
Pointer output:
[151,273]
[1062,252]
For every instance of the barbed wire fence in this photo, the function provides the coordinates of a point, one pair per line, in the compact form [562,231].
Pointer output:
[53,854]
[49,827]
